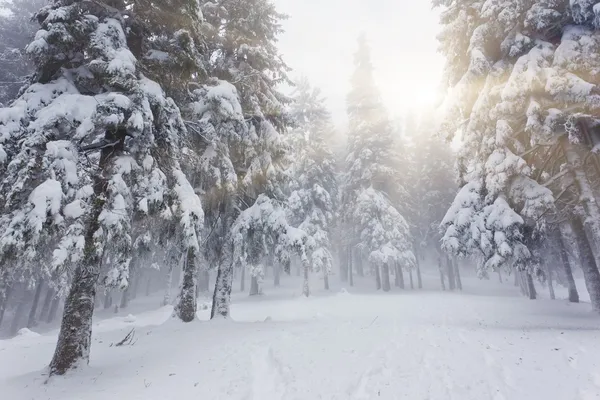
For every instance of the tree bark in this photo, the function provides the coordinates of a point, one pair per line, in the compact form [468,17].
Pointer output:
[522,285]
[499,275]
[126,294]
[588,263]
[254,290]
[549,281]
[457,274]
[530,287]
[350,267]
[326,280]
[276,275]
[222,295]
[419,277]
[343,263]
[385,283]
[169,283]
[377,277]
[412,283]
[19,313]
[186,308]
[441,271]
[450,273]
[243,280]
[400,276]
[359,262]
[305,285]
[566,264]
[4,301]
[31,321]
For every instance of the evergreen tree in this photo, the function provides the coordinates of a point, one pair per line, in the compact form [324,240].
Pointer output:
[370,182]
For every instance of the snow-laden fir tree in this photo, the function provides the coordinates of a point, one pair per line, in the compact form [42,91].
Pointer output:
[90,144]
[17,29]
[371,181]
[314,187]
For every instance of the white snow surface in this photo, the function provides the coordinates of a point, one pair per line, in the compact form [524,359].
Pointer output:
[487,342]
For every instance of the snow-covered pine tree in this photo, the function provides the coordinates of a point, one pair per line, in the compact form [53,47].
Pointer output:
[370,181]
[314,187]
[17,29]
[88,145]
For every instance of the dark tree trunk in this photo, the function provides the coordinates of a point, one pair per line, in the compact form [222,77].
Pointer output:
[305,285]
[385,282]
[412,283]
[222,294]
[419,278]
[441,271]
[499,275]
[254,286]
[136,284]
[326,280]
[400,276]
[16,323]
[53,309]
[276,275]
[377,277]
[522,284]
[588,263]
[457,274]
[168,285]
[566,264]
[4,301]
[31,321]
[243,280]
[530,287]
[186,308]
[549,281]
[149,285]
[359,262]
[450,273]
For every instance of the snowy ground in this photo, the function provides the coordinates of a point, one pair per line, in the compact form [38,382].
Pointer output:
[485,343]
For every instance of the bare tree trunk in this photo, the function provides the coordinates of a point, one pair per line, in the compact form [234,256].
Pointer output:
[149,285]
[359,262]
[499,275]
[16,323]
[412,284]
[222,295]
[419,278]
[343,263]
[522,285]
[4,301]
[566,264]
[457,273]
[549,281]
[450,272]
[243,280]
[126,294]
[276,275]
[254,290]
[326,280]
[31,321]
[377,277]
[588,263]
[186,308]
[530,287]
[385,282]
[305,286]
[107,299]
[350,267]
[400,276]
[169,283]
[441,271]
[47,302]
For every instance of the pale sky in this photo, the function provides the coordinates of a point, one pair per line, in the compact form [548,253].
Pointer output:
[321,38]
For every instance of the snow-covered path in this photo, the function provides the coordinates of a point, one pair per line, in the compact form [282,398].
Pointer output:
[486,343]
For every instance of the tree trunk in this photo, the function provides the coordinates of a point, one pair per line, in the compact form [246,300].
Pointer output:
[530,287]
[350,267]
[377,277]
[566,264]
[588,263]
[549,281]
[136,284]
[522,285]
[400,276]
[412,283]
[326,280]
[305,285]
[169,283]
[222,294]
[254,290]
[359,262]
[499,275]
[441,271]
[53,309]
[46,305]
[516,279]
[107,299]
[149,285]
[457,273]
[186,308]
[419,278]
[276,274]
[19,313]
[343,264]
[4,301]
[31,321]
[385,282]
[243,280]
[450,272]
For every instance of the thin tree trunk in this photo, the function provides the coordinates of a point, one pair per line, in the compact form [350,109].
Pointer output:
[385,282]
[254,290]
[186,308]
[359,262]
[499,275]
[549,281]
[326,280]
[276,275]
[516,279]
[530,287]
[53,309]
[19,313]
[419,278]
[343,263]
[400,275]
[305,285]
[31,321]
[126,294]
[377,277]
[169,283]
[450,272]
[457,273]
[412,283]
[4,301]
[149,285]
[350,267]
[107,299]
[47,302]
[243,280]
[522,285]
[566,264]
[136,284]
[441,271]
[588,263]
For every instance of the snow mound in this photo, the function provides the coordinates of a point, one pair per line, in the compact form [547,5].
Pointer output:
[204,305]
[24,332]
[130,318]
[343,292]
